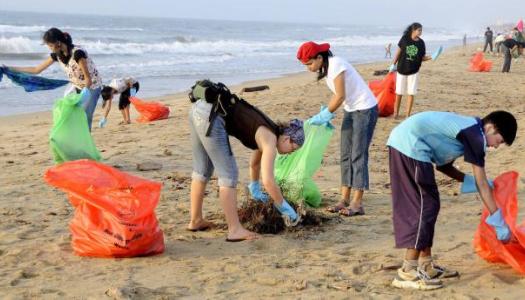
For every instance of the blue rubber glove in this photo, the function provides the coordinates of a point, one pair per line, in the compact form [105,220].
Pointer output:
[102,123]
[437,53]
[256,192]
[469,184]
[498,223]
[132,92]
[288,213]
[85,95]
[392,68]
[323,117]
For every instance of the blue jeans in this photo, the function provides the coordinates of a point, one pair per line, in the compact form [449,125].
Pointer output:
[90,105]
[213,151]
[356,134]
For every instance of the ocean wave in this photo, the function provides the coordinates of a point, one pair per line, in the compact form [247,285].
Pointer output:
[18,45]
[5,28]
[183,45]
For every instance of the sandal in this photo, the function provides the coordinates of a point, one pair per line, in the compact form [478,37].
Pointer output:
[336,208]
[349,212]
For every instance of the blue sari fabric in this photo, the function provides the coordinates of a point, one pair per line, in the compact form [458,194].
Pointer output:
[31,83]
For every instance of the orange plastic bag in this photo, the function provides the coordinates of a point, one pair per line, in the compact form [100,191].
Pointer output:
[385,92]
[114,211]
[149,111]
[479,64]
[485,242]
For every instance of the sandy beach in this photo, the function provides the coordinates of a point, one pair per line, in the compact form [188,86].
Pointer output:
[342,258]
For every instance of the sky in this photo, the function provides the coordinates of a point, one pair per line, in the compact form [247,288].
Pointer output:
[468,14]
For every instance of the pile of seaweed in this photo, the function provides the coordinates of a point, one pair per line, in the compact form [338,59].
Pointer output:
[265,218]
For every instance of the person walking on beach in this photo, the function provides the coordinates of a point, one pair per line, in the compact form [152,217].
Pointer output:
[439,138]
[212,118]
[126,87]
[488,39]
[411,52]
[465,40]
[360,117]
[511,48]
[79,67]
[388,50]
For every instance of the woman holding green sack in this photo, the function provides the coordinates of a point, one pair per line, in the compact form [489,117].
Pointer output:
[76,63]
[360,117]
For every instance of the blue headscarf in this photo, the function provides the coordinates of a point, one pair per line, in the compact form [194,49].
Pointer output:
[295,131]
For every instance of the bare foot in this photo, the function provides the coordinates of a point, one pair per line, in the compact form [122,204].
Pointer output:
[241,235]
[199,225]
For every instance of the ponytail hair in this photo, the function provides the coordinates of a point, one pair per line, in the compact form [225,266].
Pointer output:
[411,28]
[55,35]
[323,71]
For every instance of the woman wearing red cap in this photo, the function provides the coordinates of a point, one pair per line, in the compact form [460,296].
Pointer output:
[360,117]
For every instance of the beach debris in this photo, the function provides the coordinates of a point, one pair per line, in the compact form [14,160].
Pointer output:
[254,89]
[149,166]
[265,218]
[167,152]
[380,72]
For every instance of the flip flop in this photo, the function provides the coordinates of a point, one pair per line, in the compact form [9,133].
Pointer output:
[246,238]
[349,212]
[336,208]
[205,227]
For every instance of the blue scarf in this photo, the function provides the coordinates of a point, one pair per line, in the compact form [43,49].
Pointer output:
[31,83]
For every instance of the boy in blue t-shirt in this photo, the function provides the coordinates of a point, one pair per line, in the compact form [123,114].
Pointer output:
[439,138]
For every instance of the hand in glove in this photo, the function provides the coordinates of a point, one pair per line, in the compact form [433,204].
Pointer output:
[498,223]
[288,213]
[256,192]
[392,68]
[437,53]
[323,117]
[469,184]
[102,122]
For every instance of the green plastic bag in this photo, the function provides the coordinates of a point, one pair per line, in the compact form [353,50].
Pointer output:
[70,138]
[293,172]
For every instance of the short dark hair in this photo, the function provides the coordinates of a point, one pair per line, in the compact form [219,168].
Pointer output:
[505,124]
[106,92]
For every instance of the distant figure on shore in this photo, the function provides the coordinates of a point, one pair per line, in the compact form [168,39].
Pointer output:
[488,39]
[517,35]
[511,48]
[410,54]
[126,87]
[500,38]
[388,53]
[464,40]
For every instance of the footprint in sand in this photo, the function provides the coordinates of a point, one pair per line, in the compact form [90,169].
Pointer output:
[22,275]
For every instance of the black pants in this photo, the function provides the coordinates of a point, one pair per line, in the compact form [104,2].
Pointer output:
[124,97]
[507,60]
[487,43]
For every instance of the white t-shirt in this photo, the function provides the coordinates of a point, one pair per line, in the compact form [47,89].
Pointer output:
[358,94]
[121,84]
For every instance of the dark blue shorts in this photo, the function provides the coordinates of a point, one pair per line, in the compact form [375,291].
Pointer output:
[415,201]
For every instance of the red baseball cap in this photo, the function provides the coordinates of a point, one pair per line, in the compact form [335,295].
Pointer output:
[310,49]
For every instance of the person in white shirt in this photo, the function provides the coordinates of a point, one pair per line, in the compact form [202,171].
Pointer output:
[360,117]
[126,87]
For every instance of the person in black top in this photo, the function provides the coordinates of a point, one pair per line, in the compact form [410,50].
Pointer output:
[510,47]
[409,56]
[488,39]
[212,152]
